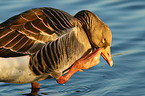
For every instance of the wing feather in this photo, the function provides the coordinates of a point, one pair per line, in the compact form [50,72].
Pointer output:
[27,32]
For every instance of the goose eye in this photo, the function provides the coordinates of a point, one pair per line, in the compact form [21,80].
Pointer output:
[103,41]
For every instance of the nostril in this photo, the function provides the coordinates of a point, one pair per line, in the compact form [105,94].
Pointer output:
[108,54]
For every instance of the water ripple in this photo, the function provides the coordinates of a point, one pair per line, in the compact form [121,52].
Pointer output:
[126,20]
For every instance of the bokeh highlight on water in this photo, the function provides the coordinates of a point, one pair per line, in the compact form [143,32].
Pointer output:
[126,19]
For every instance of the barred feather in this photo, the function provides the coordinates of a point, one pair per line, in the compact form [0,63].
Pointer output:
[30,30]
[58,56]
[53,38]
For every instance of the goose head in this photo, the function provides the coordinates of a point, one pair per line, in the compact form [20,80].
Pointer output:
[99,34]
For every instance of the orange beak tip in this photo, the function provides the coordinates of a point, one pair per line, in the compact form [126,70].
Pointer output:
[106,54]
[111,64]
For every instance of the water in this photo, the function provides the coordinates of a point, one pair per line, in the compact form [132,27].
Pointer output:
[126,78]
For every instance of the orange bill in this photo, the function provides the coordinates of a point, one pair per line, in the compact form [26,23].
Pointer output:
[106,54]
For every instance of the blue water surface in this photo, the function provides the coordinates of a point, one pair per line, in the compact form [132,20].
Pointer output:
[126,19]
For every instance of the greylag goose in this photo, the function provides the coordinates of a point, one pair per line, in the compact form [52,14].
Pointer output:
[44,43]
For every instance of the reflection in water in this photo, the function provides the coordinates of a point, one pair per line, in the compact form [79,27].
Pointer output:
[33,92]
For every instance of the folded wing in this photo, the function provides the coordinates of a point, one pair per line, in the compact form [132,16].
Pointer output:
[27,32]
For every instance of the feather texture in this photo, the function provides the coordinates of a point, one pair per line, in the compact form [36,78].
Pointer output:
[29,31]
[53,38]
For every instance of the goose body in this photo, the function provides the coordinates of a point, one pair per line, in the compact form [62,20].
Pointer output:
[16,70]
[44,43]
[20,70]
